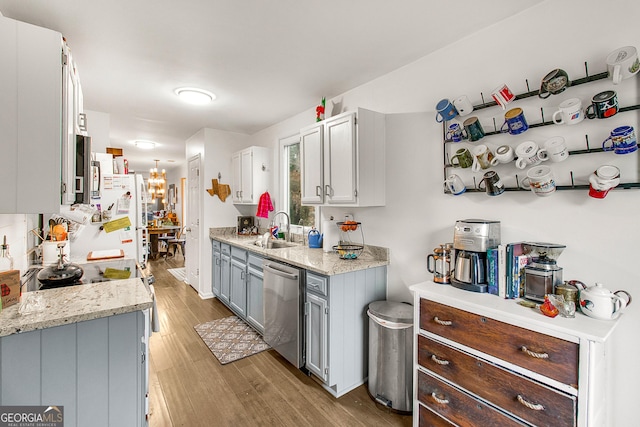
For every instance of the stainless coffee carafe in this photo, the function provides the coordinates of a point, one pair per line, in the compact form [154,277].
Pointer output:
[469,268]
[439,263]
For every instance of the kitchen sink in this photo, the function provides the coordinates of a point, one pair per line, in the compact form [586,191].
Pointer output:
[279,244]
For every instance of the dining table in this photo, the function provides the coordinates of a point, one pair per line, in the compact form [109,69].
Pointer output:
[155,232]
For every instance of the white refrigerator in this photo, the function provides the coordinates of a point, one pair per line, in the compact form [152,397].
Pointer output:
[122,200]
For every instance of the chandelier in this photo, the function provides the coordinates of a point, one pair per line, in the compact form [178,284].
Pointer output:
[156,183]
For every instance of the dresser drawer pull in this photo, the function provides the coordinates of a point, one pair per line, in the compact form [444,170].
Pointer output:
[439,361]
[533,406]
[534,354]
[442,322]
[441,400]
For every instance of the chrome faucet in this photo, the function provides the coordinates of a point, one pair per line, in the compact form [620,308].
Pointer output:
[287,233]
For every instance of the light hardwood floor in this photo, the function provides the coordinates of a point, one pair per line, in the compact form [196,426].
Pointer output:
[189,387]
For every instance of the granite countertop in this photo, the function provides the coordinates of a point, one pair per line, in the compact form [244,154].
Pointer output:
[327,263]
[71,304]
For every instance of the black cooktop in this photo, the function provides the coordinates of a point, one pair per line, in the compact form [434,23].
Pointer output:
[103,271]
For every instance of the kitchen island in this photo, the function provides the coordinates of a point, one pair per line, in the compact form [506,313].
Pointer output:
[80,347]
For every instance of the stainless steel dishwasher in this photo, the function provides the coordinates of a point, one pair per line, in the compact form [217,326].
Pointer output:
[283,316]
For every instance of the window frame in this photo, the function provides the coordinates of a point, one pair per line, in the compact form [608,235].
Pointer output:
[283,143]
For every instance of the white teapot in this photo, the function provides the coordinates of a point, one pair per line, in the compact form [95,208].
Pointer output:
[600,303]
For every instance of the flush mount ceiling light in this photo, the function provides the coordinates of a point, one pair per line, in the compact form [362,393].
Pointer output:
[194,95]
[145,145]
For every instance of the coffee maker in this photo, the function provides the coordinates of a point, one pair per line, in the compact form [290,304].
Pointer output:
[471,239]
[542,274]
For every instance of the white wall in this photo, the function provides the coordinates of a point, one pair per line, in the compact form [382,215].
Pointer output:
[601,235]
[20,240]
[215,148]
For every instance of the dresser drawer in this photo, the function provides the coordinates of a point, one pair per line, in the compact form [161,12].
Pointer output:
[458,407]
[429,418]
[549,356]
[509,391]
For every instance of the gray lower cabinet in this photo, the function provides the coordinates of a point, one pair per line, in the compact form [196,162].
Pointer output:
[238,292]
[237,282]
[216,268]
[96,369]
[225,273]
[255,289]
[336,326]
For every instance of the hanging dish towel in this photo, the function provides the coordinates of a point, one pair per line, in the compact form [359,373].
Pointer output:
[264,205]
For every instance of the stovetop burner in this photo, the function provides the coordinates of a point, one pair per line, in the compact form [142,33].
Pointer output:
[103,271]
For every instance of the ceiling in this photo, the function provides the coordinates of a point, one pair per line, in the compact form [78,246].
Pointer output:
[265,60]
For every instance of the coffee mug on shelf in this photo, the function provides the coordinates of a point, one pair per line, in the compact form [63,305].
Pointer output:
[622,140]
[514,122]
[504,154]
[474,128]
[602,180]
[603,105]
[557,150]
[569,112]
[623,63]
[555,82]
[445,111]
[454,185]
[539,180]
[463,105]
[455,133]
[529,154]
[503,95]
[462,159]
[491,183]
[483,158]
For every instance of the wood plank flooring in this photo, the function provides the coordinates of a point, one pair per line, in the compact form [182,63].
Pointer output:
[189,387]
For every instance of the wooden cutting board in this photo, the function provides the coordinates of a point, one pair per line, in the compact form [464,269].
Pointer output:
[107,254]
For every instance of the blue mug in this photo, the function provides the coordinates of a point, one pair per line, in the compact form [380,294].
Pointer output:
[445,111]
[514,121]
[621,141]
[456,133]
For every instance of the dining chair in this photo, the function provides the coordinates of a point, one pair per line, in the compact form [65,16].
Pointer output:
[177,242]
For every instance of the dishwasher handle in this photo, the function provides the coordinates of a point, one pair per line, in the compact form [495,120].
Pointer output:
[273,268]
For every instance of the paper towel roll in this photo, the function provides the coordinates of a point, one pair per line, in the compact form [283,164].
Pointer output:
[331,235]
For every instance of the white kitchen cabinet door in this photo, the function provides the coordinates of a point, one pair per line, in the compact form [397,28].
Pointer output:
[340,165]
[246,172]
[30,112]
[311,164]
[251,174]
[236,182]
[317,321]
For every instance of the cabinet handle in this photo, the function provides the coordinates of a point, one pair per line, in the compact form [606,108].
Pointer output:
[533,406]
[442,400]
[439,361]
[534,354]
[318,190]
[327,190]
[442,322]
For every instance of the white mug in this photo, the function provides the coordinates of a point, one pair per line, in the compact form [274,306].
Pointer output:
[602,180]
[539,180]
[455,185]
[529,154]
[503,95]
[463,105]
[569,112]
[557,150]
[622,63]
[483,158]
[504,154]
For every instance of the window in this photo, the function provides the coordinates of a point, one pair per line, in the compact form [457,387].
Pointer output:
[302,217]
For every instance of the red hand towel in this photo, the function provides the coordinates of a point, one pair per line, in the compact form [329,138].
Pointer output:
[264,205]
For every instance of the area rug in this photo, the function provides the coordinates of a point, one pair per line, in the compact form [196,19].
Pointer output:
[230,339]
[178,273]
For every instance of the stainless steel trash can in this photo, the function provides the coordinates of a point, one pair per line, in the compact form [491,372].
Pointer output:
[391,354]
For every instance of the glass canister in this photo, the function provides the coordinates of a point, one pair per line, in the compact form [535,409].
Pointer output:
[439,263]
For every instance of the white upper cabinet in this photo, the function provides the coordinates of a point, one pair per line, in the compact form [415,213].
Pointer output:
[343,160]
[30,112]
[251,169]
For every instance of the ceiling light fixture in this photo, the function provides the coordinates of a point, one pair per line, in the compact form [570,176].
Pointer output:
[145,145]
[156,183]
[194,95]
